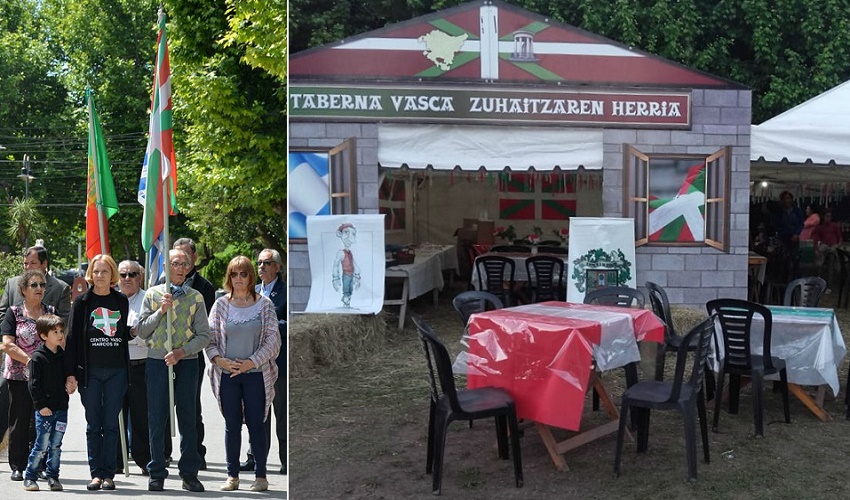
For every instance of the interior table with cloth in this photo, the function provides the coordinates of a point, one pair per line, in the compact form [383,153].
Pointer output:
[546,356]
[423,275]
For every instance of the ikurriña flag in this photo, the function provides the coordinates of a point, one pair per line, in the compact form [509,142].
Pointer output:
[101,201]
[159,171]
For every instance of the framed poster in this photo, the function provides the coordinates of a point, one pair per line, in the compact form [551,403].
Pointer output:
[309,193]
[602,253]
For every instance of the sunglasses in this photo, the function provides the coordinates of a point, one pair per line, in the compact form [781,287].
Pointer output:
[243,274]
[38,285]
[261,263]
[128,275]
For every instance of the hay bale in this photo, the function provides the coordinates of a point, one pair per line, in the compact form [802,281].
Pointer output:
[685,318]
[332,339]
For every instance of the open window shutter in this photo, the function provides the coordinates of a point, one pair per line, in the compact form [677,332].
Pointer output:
[717,181]
[343,181]
[636,187]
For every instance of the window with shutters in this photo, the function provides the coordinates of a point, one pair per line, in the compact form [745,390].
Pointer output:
[678,199]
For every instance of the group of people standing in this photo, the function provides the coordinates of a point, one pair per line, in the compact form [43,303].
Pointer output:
[791,226]
[117,349]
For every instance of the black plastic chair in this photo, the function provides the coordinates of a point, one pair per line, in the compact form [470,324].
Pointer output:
[672,341]
[548,277]
[736,318]
[844,278]
[552,250]
[685,396]
[449,404]
[621,296]
[468,303]
[804,292]
[511,249]
[492,272]
[847,394]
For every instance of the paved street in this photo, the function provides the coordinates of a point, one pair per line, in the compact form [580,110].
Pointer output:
[74,472]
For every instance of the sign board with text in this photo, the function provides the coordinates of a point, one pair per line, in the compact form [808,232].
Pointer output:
[492,106]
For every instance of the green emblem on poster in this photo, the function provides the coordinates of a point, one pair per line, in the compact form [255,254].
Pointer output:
[598,269]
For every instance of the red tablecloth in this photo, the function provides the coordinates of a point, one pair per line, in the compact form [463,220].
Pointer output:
[542,353]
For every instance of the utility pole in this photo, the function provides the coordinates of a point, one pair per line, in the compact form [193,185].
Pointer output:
[27,178]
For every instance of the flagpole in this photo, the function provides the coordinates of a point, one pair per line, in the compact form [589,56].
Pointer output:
[170,314]
[98,206]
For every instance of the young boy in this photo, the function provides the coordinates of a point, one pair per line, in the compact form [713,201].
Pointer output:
[50,399]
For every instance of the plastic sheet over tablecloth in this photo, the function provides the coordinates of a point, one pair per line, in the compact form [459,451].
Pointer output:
[543,353]
[808,339]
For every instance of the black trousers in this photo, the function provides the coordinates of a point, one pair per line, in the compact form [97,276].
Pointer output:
[199,419]
[4,405]
[21,431]
[136,413]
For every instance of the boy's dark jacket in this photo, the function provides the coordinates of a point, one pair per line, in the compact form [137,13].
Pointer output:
[47,379]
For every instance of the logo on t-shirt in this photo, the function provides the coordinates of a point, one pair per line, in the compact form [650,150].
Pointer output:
[105,320]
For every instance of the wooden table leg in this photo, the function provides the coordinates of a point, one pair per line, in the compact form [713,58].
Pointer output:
[800,394]
[405,291]
[552,447]
[557,449]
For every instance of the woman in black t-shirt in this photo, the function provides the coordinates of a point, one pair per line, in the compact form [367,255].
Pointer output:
[97,359]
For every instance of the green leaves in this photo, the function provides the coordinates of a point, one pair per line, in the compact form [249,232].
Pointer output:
[24,220]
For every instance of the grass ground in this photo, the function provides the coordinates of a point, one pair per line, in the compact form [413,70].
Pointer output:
[358,431]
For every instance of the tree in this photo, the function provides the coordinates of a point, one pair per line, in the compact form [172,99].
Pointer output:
[231,97]
[24,220]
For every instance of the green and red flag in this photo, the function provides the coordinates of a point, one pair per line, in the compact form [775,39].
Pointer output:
[158,181]
[101,201]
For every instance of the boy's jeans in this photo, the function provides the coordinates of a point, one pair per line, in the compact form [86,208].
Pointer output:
[48,441]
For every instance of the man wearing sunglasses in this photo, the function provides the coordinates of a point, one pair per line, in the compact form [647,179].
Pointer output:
[57,293]
[272,286]
[130,281]
[207,290]
[190,335]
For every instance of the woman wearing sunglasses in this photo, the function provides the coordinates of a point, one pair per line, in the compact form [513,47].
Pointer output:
[244,342]
[97,359]
[20,340]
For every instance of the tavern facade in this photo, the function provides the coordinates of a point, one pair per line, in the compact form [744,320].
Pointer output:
[491,111]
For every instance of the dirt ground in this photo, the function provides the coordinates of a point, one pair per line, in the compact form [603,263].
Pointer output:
[359,432]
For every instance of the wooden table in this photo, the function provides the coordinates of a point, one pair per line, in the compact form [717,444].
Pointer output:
[548,355]
[757,268]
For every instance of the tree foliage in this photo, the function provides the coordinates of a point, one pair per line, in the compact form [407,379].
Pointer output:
[23,221]
[787,51]
[228,83]
[232,98]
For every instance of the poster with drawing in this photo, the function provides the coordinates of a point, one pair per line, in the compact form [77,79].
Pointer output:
[347,263]
[602,253]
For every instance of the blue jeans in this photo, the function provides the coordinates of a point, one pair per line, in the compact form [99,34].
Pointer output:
[48,441]
[185,394]
[102,399]
[246,391]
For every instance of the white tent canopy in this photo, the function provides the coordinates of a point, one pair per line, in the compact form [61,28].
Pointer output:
[809,143]
[444,147]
